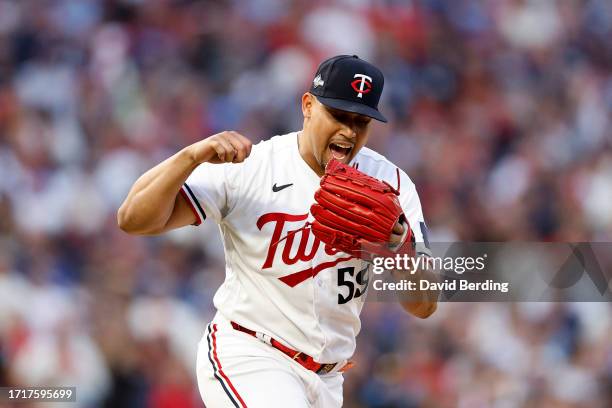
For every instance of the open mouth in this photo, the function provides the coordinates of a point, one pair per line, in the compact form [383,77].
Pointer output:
[340,151]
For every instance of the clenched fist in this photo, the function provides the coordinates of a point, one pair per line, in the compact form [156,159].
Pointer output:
[224,147]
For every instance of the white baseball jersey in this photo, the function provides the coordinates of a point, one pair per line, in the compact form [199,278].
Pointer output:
[297,290]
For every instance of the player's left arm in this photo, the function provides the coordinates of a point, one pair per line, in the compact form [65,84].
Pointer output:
[422,303]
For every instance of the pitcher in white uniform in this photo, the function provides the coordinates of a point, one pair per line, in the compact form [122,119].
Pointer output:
[288,310]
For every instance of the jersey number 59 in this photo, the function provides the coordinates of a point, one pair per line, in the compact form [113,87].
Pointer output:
[355,289]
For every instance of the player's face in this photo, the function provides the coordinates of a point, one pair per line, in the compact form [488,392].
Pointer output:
[335,133]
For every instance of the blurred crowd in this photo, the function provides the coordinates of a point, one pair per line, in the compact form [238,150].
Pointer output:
[500,111]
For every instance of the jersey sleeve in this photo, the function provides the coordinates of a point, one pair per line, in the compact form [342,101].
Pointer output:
[211,190]
[411,204]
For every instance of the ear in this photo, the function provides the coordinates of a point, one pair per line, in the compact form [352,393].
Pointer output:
[307,105]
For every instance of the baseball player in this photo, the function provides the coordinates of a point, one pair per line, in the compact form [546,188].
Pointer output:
[288,310]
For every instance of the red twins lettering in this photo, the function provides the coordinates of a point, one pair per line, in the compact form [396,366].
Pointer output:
[303,252]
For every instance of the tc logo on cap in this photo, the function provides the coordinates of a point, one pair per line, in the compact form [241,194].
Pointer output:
[346,82]
[363,85]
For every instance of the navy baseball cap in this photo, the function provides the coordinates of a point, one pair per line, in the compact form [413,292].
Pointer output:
[348,83]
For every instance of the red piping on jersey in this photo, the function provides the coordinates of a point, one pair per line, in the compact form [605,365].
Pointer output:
[186,197]
[395,191]
[398,178]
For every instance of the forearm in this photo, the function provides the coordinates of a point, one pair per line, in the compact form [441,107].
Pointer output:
[422,303]
[153,205]
[150,202]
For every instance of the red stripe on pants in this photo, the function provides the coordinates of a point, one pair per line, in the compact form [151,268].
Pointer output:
[221,369]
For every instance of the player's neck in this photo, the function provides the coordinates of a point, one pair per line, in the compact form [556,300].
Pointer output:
[305,149]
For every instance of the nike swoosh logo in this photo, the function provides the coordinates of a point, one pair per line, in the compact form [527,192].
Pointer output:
[276,188]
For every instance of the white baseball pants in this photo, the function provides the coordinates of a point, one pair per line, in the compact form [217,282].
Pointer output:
[237,370]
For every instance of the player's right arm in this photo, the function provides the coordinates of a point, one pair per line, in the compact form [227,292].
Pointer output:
[154,204]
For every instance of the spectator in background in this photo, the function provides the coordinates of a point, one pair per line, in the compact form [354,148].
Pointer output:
[501,112]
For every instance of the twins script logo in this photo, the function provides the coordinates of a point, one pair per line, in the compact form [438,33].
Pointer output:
[302,251]
[363,85]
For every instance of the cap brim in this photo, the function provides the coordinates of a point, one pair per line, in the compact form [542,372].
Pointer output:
[352,107]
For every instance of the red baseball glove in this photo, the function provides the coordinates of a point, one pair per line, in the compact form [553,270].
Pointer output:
[355,213]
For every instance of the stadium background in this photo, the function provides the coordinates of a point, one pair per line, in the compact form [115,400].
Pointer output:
[499,111]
